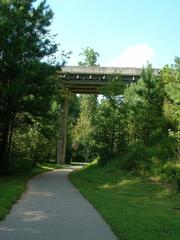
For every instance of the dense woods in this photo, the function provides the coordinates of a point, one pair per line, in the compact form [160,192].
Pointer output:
[27,85]
[139,126]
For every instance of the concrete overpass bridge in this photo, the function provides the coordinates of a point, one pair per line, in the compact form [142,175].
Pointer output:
[89,80]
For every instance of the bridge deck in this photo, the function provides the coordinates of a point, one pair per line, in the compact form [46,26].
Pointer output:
[91,79]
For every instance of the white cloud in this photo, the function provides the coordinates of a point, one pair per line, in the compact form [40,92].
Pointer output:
[134,56]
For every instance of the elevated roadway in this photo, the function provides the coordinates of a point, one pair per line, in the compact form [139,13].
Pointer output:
[89,80]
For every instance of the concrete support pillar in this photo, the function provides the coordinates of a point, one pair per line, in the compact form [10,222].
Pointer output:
[61,143]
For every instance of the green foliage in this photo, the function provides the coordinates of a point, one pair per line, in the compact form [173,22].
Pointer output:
[109,125]
[82,132]
[74,109]
[171,79]
[28,85]
[171,173]
[136,158]
[114,86]
[140,127]
[162,149]
[133,127]
[90,57]
[84,139]
[144,102]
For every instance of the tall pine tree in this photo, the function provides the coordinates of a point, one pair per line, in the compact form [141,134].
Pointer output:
[24,79]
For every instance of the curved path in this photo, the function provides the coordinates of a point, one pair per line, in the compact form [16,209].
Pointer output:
[52,209]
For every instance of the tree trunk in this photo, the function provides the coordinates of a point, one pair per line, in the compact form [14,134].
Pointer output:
[11,128]
[4,148]
[7,130]
[61,143]
[87,154]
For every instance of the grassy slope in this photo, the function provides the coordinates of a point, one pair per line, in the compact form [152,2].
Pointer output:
[11,188]
[135,208]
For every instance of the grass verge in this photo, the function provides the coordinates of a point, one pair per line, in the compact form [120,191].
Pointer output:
[11,188]
[136,208]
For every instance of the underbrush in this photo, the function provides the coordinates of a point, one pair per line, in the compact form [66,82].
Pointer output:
[171,173]
[158,159]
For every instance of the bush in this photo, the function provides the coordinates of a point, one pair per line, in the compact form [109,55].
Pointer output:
[136,157]
[103,159]
[20,166]
[162,149]
[171,173]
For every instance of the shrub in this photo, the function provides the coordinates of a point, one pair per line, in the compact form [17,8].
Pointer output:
[136,157]
[171,173]
[162,149]
[21,166]
[105,157]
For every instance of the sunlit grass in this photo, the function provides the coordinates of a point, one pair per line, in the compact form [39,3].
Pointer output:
[49,166]
[136,208]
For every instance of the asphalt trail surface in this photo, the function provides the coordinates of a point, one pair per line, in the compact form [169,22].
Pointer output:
[53,209]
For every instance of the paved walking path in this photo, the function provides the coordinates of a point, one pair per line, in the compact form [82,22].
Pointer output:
[52,209]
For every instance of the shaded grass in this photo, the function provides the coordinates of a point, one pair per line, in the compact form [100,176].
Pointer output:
[12,187]
[136,208]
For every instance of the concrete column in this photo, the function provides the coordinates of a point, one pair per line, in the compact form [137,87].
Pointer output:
[61,143]
[59,150]
[63,156]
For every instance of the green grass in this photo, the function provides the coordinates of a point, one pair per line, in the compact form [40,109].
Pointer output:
[11,188]
[136,208]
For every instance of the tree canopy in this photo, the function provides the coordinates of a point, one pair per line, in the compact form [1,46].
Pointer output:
[26,79]
[90,57]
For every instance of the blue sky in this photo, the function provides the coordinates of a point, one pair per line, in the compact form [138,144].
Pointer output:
[124,32]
